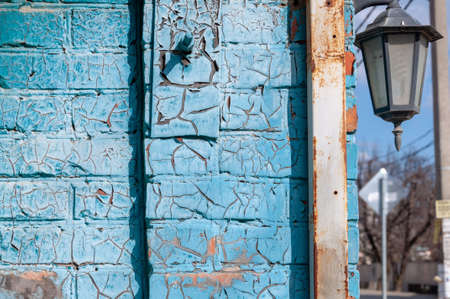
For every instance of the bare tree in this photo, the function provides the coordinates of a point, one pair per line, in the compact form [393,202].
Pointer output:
[410,223]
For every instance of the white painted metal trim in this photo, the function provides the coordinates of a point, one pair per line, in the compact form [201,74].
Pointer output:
[327,150]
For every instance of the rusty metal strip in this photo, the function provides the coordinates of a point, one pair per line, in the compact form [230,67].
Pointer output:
[327,149]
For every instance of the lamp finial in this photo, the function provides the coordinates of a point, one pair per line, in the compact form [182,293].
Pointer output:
[398,131]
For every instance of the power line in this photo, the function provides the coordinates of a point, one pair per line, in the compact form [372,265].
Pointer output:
[417,139]
[372,10]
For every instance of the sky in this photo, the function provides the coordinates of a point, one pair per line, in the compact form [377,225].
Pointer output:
[375,134]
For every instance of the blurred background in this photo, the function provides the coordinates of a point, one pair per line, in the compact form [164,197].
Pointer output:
[413,234]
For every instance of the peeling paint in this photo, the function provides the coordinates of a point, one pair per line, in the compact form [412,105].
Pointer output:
[349,63]
[351,119]
[328,146]
[30,284]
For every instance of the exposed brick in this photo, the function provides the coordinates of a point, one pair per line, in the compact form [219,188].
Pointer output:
[183,246]
[48,282]
[351,119]
[279,282]
[101,28]
[30,27]
[217,245]
[246,245]
[349,63]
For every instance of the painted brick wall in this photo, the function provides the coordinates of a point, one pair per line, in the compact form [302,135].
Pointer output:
[157,149]
[226,160]
[352,154]
[70,187]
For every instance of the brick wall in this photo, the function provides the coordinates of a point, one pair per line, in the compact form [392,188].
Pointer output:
[69,139]
[226,160]
[352,154]
[167,132]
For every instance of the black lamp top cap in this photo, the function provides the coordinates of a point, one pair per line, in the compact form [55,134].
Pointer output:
[396,20]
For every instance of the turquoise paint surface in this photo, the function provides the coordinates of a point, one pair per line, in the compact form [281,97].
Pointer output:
[129,173]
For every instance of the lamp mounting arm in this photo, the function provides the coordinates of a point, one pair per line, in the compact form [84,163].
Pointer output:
[363,4]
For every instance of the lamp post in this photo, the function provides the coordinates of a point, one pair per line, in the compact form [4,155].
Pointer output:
[394,51]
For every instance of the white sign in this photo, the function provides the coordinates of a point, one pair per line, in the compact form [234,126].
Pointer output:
[371,192]
[442,209]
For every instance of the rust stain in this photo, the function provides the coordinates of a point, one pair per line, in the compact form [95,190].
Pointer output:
[211,247]
[243,259]
[215,279]
[351,120]
[314,212]
[37,275]
[328,63]
[26,285]
[349,63]
[101,192]
[346,281]
[294,28]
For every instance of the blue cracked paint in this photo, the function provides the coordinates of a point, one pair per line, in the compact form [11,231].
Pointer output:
[178,171]
[352,161]
[226,200]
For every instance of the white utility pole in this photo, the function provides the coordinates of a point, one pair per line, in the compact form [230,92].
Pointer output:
[438,12]
[383,200]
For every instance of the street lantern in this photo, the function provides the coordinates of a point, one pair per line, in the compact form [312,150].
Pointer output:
[394,51]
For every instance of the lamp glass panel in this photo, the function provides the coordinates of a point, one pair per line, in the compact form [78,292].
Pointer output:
[421,65]
[374,61]
[401,59]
